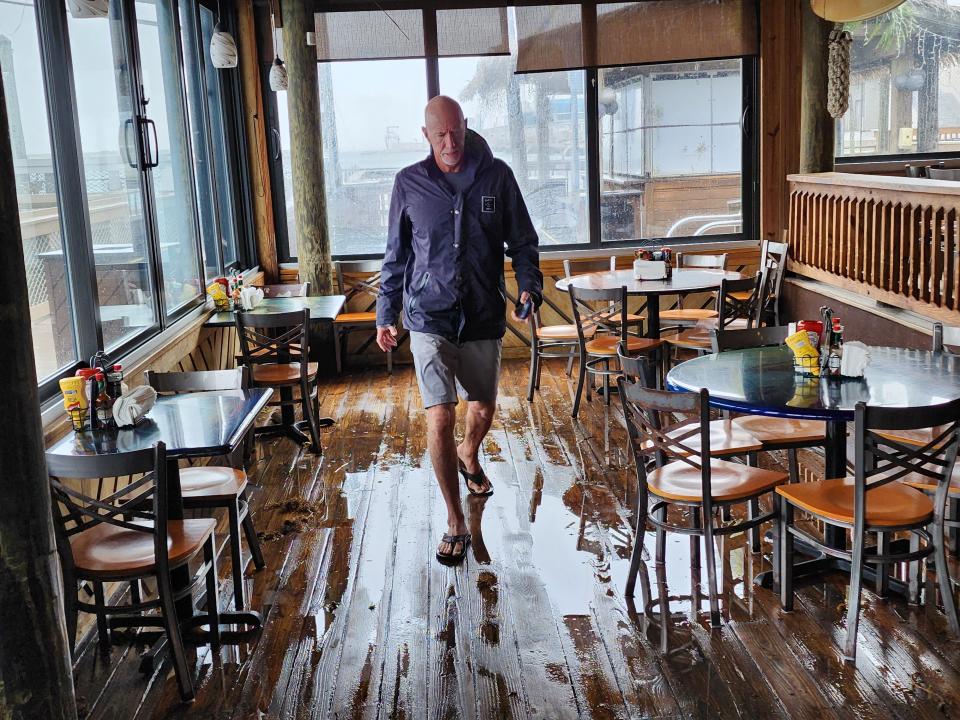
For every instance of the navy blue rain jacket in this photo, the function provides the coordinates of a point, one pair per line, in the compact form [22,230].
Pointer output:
[445,250]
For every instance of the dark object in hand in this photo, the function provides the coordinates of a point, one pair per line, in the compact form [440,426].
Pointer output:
[523,309]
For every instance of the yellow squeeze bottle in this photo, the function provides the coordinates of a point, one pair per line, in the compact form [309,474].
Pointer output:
[805,353]
[74,392]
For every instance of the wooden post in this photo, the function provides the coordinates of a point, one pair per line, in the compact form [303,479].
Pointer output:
[35,668]
[816,125]
[253,116]
[306,149]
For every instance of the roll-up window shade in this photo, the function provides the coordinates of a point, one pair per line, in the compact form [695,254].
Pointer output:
[392,34]
[563,37]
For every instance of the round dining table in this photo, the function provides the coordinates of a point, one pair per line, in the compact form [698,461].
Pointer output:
[682,281]
[762,381]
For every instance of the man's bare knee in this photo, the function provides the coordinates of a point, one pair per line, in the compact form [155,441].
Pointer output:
[483,408]
[442,418]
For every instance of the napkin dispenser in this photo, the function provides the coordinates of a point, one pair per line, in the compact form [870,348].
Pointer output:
[649,269]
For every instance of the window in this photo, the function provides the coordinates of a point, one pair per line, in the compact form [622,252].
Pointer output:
[51,312]
[904,83]
[534,123]
[614,153]
[670,150]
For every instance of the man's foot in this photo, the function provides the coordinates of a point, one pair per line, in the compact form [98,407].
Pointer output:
[453,546]
[477,481]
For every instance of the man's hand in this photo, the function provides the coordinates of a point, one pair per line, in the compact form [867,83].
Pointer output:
[524,296]
[387,337]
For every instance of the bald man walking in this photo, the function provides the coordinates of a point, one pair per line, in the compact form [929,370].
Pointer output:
[453,216]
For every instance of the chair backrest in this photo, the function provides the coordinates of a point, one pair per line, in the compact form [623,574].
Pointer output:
[636,369]
[881,457]
[749,338]
[730,307]
[198,380]
[359,279]
[582,266]
[704,262]
[287,290]
[945,337]
[286,339]
[601,309]
[139,505]
[651,418]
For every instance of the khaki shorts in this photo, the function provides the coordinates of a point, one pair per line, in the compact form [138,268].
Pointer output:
[446,370]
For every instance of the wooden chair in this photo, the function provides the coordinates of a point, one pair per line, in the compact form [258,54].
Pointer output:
[732,313]
[874,503]
[550,341]
[675,466]
[601,332]
[284,290]
[276,349]
[358,280]
[209,487]
[773,257]
[122,533]
[788,434]
[681,316]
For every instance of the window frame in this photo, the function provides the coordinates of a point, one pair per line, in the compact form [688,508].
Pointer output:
[750,171]
[51,19]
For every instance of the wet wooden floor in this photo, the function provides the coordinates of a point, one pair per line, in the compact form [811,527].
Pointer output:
[362,622]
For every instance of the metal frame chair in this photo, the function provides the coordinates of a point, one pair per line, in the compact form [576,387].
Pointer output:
[279,359]
[122,533]
[669,459]
[875,503]
[358,279]
[684,317]
[210,487]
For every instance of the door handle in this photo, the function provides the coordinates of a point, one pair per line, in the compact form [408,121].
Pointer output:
[153,160]
[127,124]
[275,135]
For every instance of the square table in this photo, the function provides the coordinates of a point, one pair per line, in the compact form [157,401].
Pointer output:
[324,308]
[191,425]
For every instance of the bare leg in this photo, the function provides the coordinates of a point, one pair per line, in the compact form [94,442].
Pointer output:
[479,419]
[441,420]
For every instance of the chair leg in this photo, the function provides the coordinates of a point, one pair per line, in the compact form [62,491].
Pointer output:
[661,548]
[943,577]
[794,465]
[71,611]
[135,592]
[337,349]
[710,551]
[853,598]
[753,511]
[784,539]
[236,558]
[213,597]
[103,628]
[573,356]
[172,627]
[636,557]
[579,391]
[914,572]
[606,382]
[534,361]
[310,417]
[883,579]
[250,532]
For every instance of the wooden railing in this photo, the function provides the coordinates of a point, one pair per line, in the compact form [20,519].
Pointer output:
[893,239]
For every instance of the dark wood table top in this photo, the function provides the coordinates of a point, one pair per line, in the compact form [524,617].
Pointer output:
[682,281]
[762,381]
[204,424]
[325,307]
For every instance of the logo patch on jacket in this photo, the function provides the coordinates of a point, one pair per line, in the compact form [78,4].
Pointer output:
[489,204]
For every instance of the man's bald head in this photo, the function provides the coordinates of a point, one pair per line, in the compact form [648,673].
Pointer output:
[445,129]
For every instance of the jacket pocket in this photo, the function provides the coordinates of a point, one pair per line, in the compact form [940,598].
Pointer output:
[415,292]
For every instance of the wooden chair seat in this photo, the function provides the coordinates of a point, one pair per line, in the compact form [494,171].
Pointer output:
[772,430]
[742,296]
[725,439]
[352,318]
[106,551]
[917,438]
[631,319]
[212,482]
[563,332]
[608,344]
[698,338]
[687,314]
[927,485]
[281,373]
[681,482]
[889,505]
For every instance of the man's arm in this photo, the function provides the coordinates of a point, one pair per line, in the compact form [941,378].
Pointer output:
[522,242]
[395,257]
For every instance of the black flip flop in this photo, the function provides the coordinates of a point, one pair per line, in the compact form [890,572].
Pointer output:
[454,558]
[479,478]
